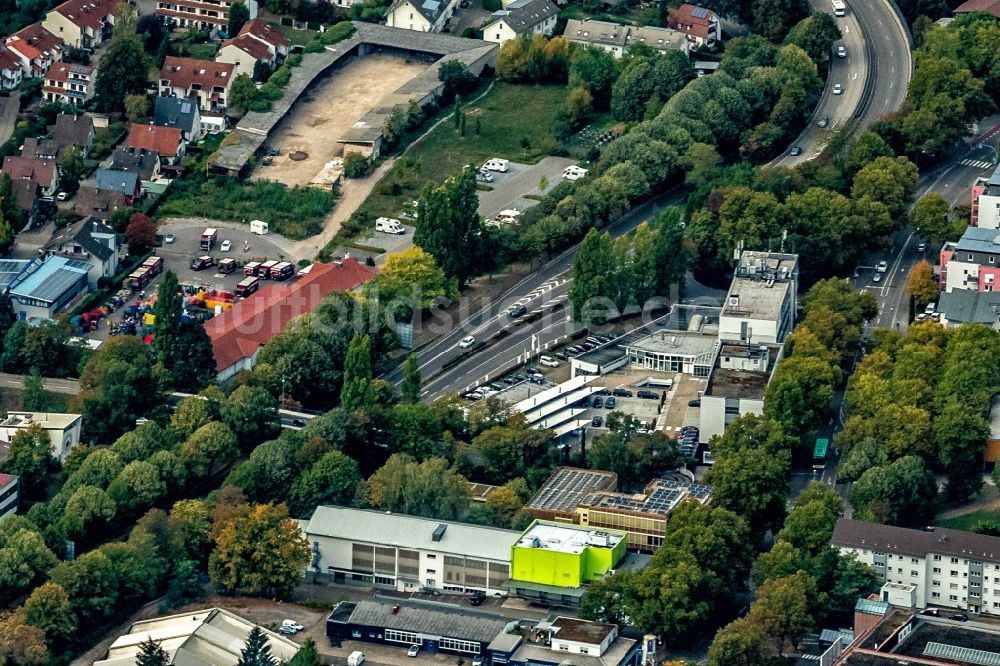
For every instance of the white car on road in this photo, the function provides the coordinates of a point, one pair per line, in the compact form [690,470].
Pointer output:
[882,266]
[841,51]
[467,342]
[838,89]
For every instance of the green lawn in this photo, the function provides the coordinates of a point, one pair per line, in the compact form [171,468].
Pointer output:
[503,132]
[297,37]
[966,521]
[204,51]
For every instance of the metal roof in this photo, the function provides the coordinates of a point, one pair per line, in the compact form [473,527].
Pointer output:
[872,607]
[958,653]
[430,618]
[394,529]
[51,279]
[979,239]
[10,269]
[568,486]
[699,12]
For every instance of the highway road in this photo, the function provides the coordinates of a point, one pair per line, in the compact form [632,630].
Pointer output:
[873,76]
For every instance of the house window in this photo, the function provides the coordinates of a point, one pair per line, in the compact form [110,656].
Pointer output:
[913,573]
[953,597]
[563,647]
[936,595]
[936,583]
[937,570]
[937,558]
[954,573]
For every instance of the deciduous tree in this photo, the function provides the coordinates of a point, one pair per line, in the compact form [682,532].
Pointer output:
[48,608]
[921,283]
[141,234]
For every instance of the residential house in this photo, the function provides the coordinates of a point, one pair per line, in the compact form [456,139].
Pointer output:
[36,48]
[973,262]
[100,203]
[701,25]
[968,306]
[126,183]
[46,149]
[934,567]
[74,130]
[167,142]
[9,495]
[521,17]
[44,173]
[239,333]
[991,7]
[611,37]
[82,24]
[200,14]
[90,241]
[422,15]
[69,84]
[188,78]
[209,637]
[985,204]
[144,162]
[63,429]
[661,39]
[257,42]
[11,71]
[181,114]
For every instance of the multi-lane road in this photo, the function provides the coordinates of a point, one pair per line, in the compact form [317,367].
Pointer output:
[873,76]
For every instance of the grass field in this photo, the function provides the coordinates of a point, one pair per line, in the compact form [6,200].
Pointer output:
[204,51]
[503,132]
[966,521]
[297,37]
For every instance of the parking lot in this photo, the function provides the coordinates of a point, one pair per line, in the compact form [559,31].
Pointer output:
[510,188]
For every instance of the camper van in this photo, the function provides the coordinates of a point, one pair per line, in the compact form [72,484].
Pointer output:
[496,164]
[508,216]
[574,172]
[258,227]
[247,286]
[389,225]
[356,658]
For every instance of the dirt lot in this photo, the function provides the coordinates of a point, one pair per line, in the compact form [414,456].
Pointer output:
[321,116]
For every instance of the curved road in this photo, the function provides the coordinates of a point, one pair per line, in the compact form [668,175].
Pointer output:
[878,56]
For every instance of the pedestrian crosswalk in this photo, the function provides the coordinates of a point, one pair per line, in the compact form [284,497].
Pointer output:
[979,164]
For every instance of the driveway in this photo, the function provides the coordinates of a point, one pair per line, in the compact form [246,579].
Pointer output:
[509,189]
[472,17]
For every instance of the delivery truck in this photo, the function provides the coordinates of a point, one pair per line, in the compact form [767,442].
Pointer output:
[208,238]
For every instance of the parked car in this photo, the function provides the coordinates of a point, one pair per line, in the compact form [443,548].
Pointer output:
[648,395]
[62,196]
[841,51]
[694,403]
[226,246]
[597,421]
[477,660]
[877,277]
[467,342]
[293,624]
[509,379]
[287,631]
[610,403]
[823,122]
[473,395]
[622,393]
[882,266]
[574,350]
[533,371]
[563,356]
[169,238]
[484,176]
[477,598]
[597,402]
[497,386]
[959,617]
[519,378]
[413,651]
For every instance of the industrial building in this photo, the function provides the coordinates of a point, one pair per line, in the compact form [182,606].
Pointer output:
[46,287]
[209,637]
[407,553]
[567,640]
[434,626]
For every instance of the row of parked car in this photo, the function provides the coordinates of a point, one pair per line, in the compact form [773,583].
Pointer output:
[533,375]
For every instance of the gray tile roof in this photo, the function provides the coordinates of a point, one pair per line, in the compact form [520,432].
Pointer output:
[523,15]
[596,32]
[978,239]
[72,130]
[890,539]
[394,529]
[175,112]
[431,618]
[82,234]
[116,181]
[138,160]
[970,306]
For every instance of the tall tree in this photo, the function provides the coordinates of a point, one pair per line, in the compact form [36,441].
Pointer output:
[411,379]
[48,608]
[449,226]
[921,283]
[238,15]
[931,217]
[307,655]
[593,270]
[141,233]
[124,68]
[11,217]
[357,392]
[257,650]
[151,653]
[29,457]
[167,325]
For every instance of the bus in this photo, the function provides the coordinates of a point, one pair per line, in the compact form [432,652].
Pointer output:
[820,453]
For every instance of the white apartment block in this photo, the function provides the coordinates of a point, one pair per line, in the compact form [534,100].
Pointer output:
[63,429]
[936,567]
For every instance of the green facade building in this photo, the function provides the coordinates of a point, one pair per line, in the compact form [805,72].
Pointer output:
[560,555]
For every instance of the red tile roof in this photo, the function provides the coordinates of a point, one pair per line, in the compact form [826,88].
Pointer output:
[183,72]
[87,13]
[251,323]
[264,32]
[61,71]
[35,38]
[27,168]
[6,480]
[162,140]
[692,20]
[9,59]
[254,48]
[988,6]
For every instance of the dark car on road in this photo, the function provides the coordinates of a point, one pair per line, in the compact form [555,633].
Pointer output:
[795,151]
[516,311]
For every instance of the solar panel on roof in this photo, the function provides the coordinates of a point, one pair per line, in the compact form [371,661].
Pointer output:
[186,107]
[956,653]
[699,12]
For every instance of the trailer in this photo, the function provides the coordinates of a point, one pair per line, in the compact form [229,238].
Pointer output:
[264,270]
[227,266]
[139,278]
[282,271]
[208,238]
[247,286]
[250,268]
[154,264]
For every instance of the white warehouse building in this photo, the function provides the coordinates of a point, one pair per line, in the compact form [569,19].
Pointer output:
[408,553]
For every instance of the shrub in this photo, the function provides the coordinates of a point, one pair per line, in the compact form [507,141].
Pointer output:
[356,165]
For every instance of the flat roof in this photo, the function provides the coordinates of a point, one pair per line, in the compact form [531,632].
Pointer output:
[48,420]
[614,655]
[676,343]
[581,631]
[660,497]
[567,486]
[427,617]
[565,538]
[755,299]
[396,529]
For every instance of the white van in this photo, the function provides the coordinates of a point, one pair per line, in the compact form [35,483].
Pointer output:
[258,227]
[496,164]
[356,658]
[508,216]
[574,172]
[389,225]
[549,362]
